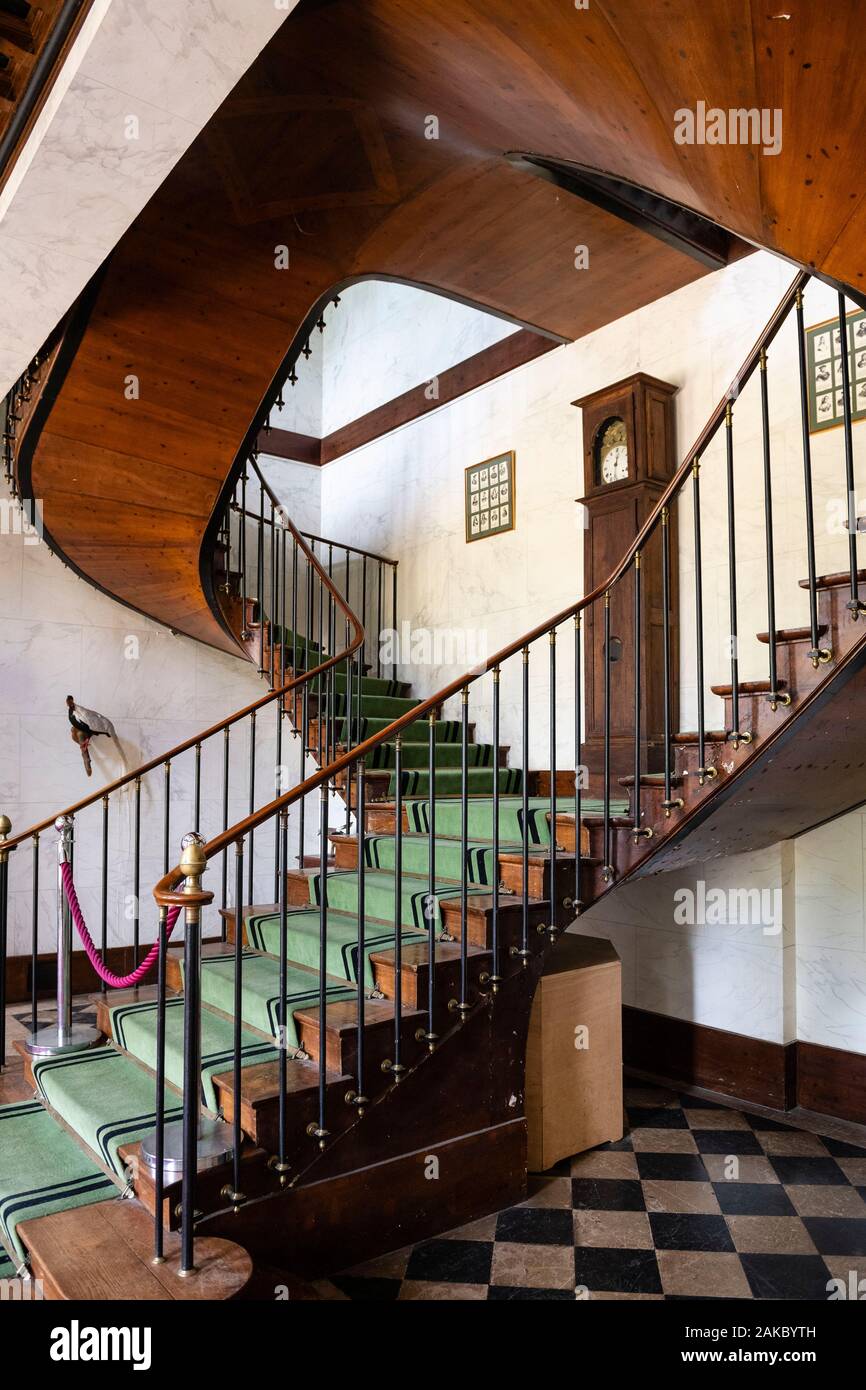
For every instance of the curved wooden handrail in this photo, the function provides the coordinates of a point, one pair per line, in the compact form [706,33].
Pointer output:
[296,681]
[237,832]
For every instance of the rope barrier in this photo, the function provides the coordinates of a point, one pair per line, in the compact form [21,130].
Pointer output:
[112,980]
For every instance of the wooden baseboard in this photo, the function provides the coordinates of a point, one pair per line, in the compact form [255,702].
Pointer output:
[121,960]
[826,1080]
[832,1081]
[730,1063]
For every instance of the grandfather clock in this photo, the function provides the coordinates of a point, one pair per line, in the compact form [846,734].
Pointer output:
[629,458]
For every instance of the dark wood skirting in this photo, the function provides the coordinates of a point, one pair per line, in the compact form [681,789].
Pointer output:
[478,370]
[832,1081]
[119,959]
[744,1068]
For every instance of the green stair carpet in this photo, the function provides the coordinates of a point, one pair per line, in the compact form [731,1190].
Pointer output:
[261,991]
[106,1098]
[42,1170]
[445,730]
[302,938]
[133,1027]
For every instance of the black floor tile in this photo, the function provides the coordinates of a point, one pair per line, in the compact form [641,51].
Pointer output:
[562,1169]
[367,1290]
[451,1261]
[726,1141]
[607,1194]
[787,1276]
[753,1199]
[763,1122]
[616,1271]
[500,1293]
[642,1117]
[536,1226]
[837,1235]
[617,1146]
[824,1172]
[685,1231]
[696,1103]
[840,1149]
[672,1167]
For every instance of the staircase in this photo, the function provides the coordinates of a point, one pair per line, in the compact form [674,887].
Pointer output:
[371,1017]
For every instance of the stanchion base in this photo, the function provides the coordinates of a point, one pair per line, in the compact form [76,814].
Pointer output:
[50,1042]
[214,1147]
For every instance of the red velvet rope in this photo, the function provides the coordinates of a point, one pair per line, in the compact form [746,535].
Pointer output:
[112,980]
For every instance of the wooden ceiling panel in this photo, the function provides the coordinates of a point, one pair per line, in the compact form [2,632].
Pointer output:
[323,148]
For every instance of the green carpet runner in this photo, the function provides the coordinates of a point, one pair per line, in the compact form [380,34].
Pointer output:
[42,1170]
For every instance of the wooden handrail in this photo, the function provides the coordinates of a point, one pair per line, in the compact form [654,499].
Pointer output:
[237,832]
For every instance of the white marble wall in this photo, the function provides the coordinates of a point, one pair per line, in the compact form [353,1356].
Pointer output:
[80,179]
[58,636]
[403,495]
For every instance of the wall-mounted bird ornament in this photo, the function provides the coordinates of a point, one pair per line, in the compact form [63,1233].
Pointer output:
[87,724]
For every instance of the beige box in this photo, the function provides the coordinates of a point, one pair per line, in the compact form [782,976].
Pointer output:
[574,1052]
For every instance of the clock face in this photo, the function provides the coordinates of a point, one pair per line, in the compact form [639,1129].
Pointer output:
[611,452]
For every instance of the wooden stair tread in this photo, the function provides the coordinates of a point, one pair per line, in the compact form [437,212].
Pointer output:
[792,634]
[834,581]
[416,957]
[342,1016]
[747,688]
[261,1083]
[652,779]
[105,1252]
[710,736]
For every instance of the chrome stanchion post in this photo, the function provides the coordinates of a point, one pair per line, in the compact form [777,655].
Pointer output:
[64,1036]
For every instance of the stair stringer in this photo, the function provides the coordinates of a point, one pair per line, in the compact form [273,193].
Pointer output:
[462,1106]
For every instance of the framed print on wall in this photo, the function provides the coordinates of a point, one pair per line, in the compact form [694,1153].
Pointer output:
[824,371]
[490,497]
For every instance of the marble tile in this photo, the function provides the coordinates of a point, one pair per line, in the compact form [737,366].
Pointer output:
[683,1271]
[533,1266]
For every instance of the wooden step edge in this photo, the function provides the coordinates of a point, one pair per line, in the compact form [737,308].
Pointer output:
[746,688]
[95,1251]
[792,634]
[834,581]
[710,736]
[416,957]
[652,779]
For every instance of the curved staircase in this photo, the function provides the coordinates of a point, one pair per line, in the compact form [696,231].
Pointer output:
[372,1016]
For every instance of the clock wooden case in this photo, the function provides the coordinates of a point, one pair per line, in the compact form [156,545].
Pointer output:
[629,457]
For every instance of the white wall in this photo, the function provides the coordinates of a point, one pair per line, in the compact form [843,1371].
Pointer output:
[403,495]
[59,637]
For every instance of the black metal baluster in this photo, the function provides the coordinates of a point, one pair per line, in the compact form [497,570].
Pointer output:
[103,938]
[817,654]
[34,940]
[428,1035]
[496,976]
[252,805]
[775,696]
[294,607]
[607,868]
[705,771]
[359,1099]
[260,583]
[166,814]
[379,621]
[523,952]
[578,765]
[463,1002]
[638,831]
[671,802]
[159,1129]
[281,1165]
[734,735]
[364,607]
[238,1001]
[350,665]
[394,615]
[278,789]
[274,613]
[554,904]
[855,604]
[243,557]
[225,856]
[397,1067]
[317,1129]
[197,791]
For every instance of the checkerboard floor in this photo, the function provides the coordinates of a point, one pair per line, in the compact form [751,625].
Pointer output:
[697,1201]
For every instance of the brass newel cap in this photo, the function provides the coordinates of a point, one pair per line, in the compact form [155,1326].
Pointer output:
[193,861]
[5,827]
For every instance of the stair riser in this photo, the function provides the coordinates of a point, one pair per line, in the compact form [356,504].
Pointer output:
[415,982]
[479,923]
[261,1121]
[341,1047]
